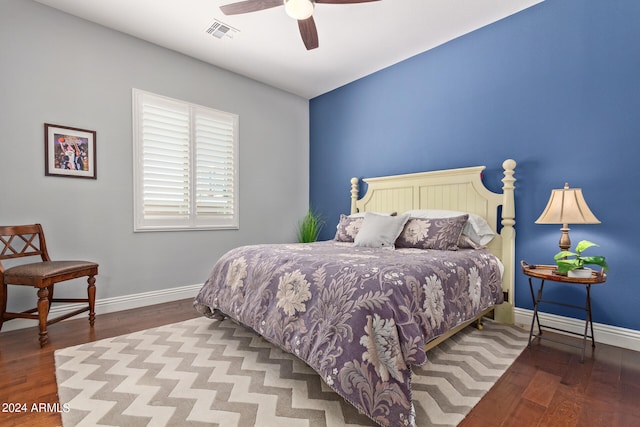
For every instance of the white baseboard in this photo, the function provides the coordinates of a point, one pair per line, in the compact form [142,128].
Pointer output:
[110,305]
[611,335]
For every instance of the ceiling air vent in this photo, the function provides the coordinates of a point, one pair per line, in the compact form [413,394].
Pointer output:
[220,29]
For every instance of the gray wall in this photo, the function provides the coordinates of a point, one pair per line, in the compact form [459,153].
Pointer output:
[56,68]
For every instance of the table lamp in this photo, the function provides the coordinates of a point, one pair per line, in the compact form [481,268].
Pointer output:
[567,206]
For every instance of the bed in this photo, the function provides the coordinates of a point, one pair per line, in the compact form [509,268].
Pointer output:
[405,271]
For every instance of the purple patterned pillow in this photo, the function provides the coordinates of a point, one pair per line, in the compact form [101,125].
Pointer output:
[348,228]
[432,233]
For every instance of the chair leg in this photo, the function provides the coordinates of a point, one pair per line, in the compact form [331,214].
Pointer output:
[43,311]
[3,303]
[50,288]
[91,294]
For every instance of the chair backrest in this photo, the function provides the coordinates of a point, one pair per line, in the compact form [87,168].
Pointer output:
[17,241]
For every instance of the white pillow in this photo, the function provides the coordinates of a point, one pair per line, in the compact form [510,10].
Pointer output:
[380,231]
[476,228]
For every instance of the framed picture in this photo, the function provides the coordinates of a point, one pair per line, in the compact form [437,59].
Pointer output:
[69,152]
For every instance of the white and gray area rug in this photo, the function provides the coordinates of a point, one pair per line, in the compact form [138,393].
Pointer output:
[202,372]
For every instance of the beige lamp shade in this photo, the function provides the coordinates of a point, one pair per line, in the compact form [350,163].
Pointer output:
[567,206]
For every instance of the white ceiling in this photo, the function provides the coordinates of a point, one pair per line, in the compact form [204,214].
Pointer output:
[355,39]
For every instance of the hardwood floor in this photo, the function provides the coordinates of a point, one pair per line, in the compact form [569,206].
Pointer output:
[546,386]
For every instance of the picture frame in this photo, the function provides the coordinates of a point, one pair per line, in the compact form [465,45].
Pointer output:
[69,152]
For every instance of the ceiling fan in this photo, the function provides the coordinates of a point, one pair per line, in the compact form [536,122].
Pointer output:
[301,10]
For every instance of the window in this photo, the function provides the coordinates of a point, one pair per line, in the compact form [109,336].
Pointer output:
[185,165]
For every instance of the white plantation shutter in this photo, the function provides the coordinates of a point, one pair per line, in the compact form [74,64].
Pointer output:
[215,166]
[185,165]
[165,161]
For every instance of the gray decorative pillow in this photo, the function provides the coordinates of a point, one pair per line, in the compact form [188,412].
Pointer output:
[476,229]
[432,233]
[348,228]
[380,231]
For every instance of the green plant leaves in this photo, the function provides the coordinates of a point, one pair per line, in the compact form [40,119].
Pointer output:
[584,244]
[595,260]
[309,228]
[563,254]
[565,263]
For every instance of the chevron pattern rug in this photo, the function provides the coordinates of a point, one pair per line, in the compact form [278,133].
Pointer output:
[210,373]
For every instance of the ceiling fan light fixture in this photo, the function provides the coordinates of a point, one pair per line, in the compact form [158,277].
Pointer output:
[299,9]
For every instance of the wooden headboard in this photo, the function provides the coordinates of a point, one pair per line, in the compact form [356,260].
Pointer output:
[452,189]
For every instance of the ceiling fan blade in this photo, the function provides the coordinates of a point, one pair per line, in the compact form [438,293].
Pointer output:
[249,6]
[308,32]
[344,1]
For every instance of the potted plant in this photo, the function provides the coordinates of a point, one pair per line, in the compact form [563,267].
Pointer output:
[309,228]
[574,267]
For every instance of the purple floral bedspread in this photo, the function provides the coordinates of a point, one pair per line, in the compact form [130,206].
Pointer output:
[358,316]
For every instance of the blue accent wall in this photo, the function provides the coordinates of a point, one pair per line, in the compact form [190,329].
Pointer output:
[555,87]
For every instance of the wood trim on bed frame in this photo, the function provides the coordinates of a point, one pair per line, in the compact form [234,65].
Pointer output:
[453,189]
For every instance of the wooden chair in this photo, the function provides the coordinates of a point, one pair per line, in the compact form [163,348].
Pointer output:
[28,240]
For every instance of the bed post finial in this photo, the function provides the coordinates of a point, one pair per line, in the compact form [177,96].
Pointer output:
[354,194]
[508,203]
[505,312]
